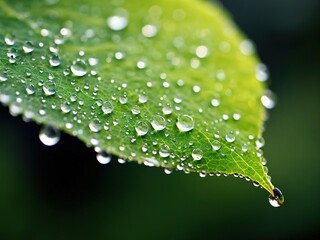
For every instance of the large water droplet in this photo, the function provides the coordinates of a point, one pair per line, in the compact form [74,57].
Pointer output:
[185,123]
[79,68]
[49,88]
[107,107]
[65,107]
[167,109]
[103,157]
[197,154]
[141,128]
[158,123]
[269,99]
[216,145]
[49,135]
[278,199]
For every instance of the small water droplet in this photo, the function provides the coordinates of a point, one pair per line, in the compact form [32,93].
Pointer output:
[142,98]
[230,137]
[30,89]
[49,135]
[269,99]
[149,30]
[196,89]
[167,109]
[260,142]
[95,125]
[197,154]
[262,72]
[158,123]
[141,128]
[135,110]
[79,68]
[185,123]
[216,145]
[107,107]
[9,39]
[247,47]
[215,102]
[117,23]
[202,51]
[167,171]
[49,88]
[54,61]
[278,199]
[65,107]
[103,157]
[3,77]
[164,151]
[244,147]
[28,47]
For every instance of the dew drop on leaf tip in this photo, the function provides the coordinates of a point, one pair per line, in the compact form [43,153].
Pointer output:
[277,199]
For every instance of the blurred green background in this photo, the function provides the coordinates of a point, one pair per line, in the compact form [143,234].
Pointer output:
[62,192]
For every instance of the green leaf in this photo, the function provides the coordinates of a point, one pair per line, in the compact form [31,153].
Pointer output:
[164,83]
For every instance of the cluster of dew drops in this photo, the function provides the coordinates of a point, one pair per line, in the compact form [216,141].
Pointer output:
[184,122]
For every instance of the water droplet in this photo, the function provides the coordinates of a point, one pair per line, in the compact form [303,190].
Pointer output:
[269,99]
[28,47]
[103,157]
[244,147]
[167,171]
[107,107]
[158,123]
[117,23]
[9,39]
[236,116]
[215,102]
[135,110]
[278,199]
[79,68]
[260,142]
[65,107]
[216,145]
[54,61]
[49,88]
[262,72]
[30,89]
[149,30]
[49,135]
[164,151]
[197,154]
[230,137]
[202,51]
[196,89]
[167,109]
[247,47]
[185,123]
[141,128]
[141,64]
[95,125]
[142,98]
[3,77]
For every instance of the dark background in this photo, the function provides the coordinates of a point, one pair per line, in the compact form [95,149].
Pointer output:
[62,192]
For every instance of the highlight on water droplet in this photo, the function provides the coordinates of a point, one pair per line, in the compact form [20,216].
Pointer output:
[185,123]
[277,199]
[49,135]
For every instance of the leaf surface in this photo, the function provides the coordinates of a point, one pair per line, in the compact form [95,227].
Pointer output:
[164,83]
